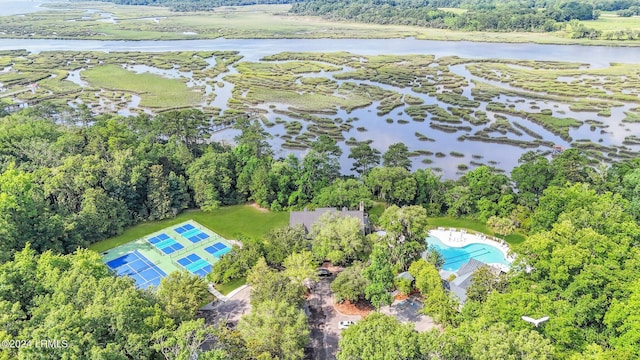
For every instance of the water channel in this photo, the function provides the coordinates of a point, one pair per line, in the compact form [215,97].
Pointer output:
[381,133]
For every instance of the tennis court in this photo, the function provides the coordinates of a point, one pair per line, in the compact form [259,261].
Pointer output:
[195,264]
[138,267]
[186,245]
[165,243]
[191,233]
[218,249]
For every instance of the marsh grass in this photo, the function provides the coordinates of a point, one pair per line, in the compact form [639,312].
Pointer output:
[157,91]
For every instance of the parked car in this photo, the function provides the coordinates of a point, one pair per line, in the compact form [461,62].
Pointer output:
[345,324]
[324,273]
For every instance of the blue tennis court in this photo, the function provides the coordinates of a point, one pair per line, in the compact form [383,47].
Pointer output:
[218,249]
[138,267]
[191,233]
[195,264]
[165,243]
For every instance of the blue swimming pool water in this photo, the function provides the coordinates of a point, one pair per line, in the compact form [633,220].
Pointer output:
[455,257]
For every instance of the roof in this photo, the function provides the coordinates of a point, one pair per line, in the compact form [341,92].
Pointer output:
[463,279]
[459,286]
[405,275]
[471,266]
[307,218]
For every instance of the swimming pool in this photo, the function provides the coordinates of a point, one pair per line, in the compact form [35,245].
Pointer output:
[455,257]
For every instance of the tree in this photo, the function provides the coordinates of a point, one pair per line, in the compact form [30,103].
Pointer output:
[350,284]
[397,156]
[326,146]
[630,189]
[299,268]
[500,342]
[262,187]
[458,201]
[275,329]
[483,283]
[344,193]
[406,231]
[236,263]
[158,196]
[178,192]
[485,183]
[429,191]
[501,226]
[434,257]
[182,294]
[379,336]
[191,126]
[532,176]
[212,178]
[319,170]
[577,10]
[403,285]
[394,185]
[365,157]
[252,136]
[269,284]
[25,215]
[77,299]
[100,215]
[337,238]
[621,320]
[185,342]
[286,174]
[437,302]
[284,241]
[380,276]
[556,200]
[570,166]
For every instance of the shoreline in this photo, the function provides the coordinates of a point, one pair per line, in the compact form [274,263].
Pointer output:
[456,38]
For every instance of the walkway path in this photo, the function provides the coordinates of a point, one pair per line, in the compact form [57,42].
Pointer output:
[217,293]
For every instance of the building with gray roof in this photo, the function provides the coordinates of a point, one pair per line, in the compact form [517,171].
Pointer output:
[307,218]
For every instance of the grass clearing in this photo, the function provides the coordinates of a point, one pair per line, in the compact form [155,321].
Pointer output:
[230,222]
[226,288]
[609,21]
[159,92]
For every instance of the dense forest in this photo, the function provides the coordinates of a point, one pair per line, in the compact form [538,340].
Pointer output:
[68,179]
[559,16]
[476,16]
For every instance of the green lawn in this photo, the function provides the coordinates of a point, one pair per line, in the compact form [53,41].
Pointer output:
[609,21]
[231,222]
[225,289]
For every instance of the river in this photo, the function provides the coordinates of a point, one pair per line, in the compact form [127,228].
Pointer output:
[382,133]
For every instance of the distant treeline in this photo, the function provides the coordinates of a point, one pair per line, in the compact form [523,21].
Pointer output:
[198,5]
[476,15]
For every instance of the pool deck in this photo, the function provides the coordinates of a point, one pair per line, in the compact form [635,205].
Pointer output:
[459,238]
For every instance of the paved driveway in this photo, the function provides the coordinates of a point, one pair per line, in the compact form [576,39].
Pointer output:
[407,311]
[234,307]
[324,321]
